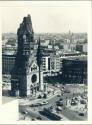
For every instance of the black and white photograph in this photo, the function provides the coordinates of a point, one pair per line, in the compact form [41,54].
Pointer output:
[45,59]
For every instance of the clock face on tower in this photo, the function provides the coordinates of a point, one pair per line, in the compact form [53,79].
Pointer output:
[34,78]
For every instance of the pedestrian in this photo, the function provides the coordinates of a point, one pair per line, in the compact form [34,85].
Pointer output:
[24,117]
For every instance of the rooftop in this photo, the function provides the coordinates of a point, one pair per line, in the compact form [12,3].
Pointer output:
[13,52]
[81,58]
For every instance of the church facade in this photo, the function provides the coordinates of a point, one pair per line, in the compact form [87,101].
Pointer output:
[25,75]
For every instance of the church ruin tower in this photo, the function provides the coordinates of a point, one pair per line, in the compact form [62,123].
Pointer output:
[26,68]
[25,41]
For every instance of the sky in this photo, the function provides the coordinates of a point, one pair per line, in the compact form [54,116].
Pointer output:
[48,17]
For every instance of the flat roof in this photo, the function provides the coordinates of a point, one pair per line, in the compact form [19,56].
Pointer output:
[9,53]
[81,58]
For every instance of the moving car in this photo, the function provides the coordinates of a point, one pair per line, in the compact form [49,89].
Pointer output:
[44,103]
[66,91]
[35,105]
[59,108]
[59,103]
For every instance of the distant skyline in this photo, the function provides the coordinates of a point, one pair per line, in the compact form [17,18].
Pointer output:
[48,18]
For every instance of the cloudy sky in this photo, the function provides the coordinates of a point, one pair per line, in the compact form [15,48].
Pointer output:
[48,17]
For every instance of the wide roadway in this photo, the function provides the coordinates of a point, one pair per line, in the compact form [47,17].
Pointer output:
[34,111]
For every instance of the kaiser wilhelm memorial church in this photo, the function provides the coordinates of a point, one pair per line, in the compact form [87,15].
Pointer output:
[25,77]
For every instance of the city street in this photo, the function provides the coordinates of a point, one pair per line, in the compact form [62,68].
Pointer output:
[34,111]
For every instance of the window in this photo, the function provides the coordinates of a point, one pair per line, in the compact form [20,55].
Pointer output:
[34,78]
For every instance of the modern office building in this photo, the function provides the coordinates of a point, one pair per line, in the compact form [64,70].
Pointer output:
[46,63]
[81,47]
[8,61]
[51,64]
[55,63]
[74,70]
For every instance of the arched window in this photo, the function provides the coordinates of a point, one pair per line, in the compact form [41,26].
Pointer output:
[34,78]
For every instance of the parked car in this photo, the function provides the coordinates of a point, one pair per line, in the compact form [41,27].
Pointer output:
[58,95]
[62,89]
[39,97]
[34,119]
[24,112]
[82,101]
[39,118]
[66,91]
[19,97]
[61,99]
[57,85]
[81,114]
[73,103]
[35,105]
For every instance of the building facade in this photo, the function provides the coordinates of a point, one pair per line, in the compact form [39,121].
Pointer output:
[74,71]
[8,61]
[51,64]
[55,63]
[81,47]
[46,63]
